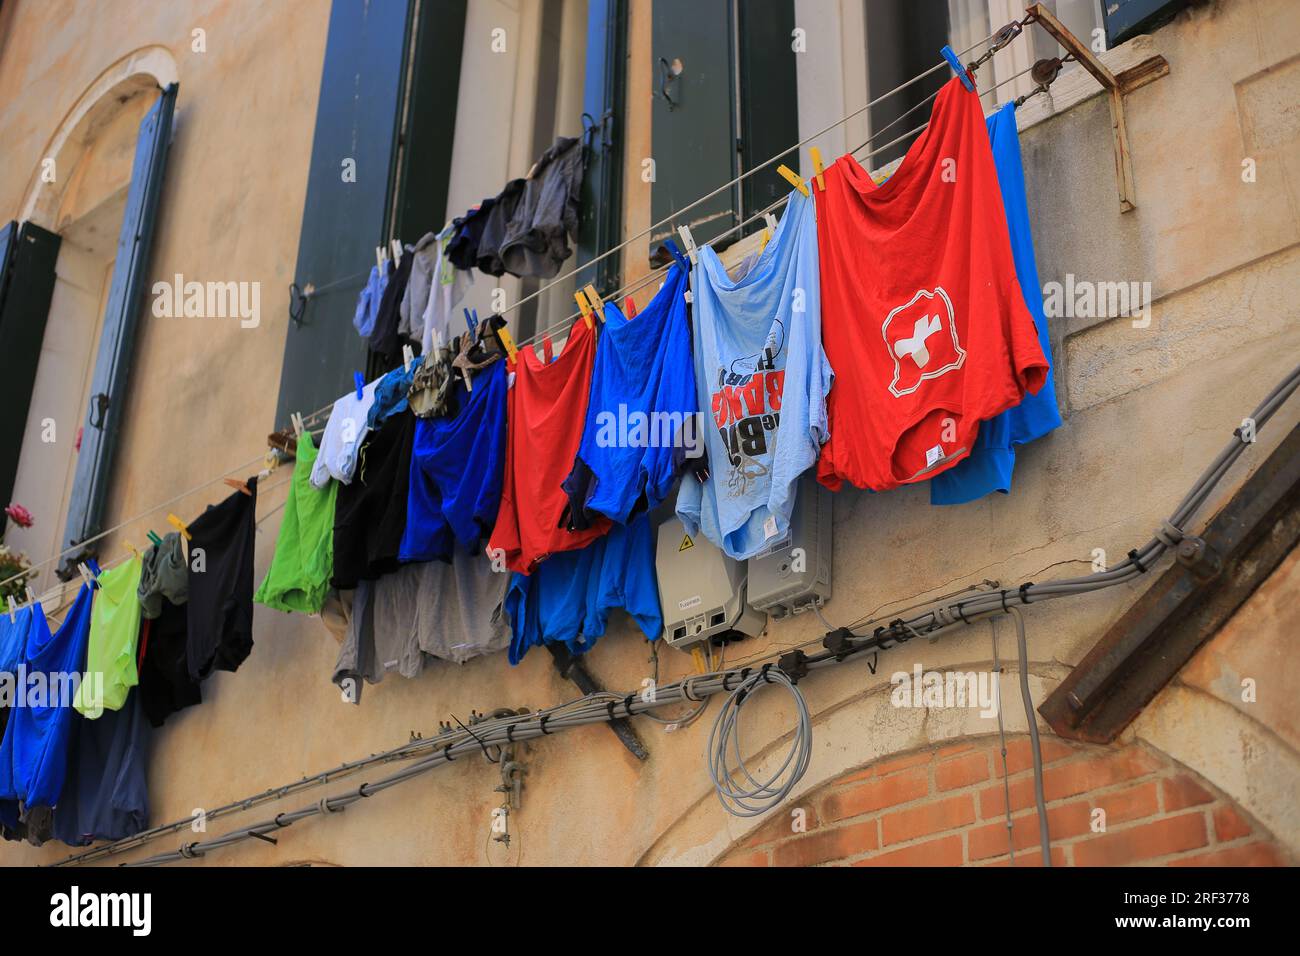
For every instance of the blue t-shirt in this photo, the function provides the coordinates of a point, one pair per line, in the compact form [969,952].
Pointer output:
[106,796]
[569,597]
[642,397]
[390,394]
[457,464]
[762,379]
[989,465]
[13,651]
[34,753]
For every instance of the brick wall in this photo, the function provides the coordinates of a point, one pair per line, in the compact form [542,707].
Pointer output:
[946,806]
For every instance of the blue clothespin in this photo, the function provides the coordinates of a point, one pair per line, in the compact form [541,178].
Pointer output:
[471,320]
[957,67]
[360,381]
[677,255]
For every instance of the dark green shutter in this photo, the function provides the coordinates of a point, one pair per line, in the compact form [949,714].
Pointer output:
[27,259]
[117,338]
[357,118]
[769,101]
[1128,18]
[601,222]
[693,115]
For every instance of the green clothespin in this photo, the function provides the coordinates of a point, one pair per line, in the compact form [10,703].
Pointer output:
[154,538]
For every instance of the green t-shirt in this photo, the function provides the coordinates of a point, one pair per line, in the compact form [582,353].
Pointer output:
[114,634]
[298,578]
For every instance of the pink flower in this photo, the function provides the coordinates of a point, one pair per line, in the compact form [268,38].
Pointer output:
[19,515]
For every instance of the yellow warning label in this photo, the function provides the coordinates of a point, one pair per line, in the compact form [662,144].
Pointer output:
[687,544]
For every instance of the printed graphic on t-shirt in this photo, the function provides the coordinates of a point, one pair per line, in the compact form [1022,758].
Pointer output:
[746,405]
[922,340]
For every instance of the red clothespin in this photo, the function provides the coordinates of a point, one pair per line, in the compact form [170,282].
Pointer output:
[548,349]
[629,307]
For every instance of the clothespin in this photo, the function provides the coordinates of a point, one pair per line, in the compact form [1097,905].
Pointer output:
[179,525]
[298,426]
[359,381]
[471,321]
[154,537]
[397,251]
[12,613]
[86,575]
[508,341]
[957,67]
[437,340]
[548,349]
[595,301]
[791,177]
[238,485]
[818,168]
[689,242]
[584,307]
[133,549]
[408,356]
[769,230]
[379,258]
[629,307]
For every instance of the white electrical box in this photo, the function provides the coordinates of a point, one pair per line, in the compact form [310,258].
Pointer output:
[701,590]
[795,574]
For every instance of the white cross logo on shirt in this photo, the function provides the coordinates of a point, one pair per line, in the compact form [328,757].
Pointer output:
[922,329]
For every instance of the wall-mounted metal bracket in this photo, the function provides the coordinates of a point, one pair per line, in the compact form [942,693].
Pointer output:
[1115,85]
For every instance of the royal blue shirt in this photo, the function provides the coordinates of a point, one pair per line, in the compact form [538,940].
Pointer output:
[989,465]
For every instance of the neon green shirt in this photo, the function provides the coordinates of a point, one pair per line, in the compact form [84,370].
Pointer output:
[300,571]
[114,634]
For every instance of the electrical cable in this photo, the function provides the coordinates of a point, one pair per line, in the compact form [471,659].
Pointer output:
[1044,838]
[1002,737]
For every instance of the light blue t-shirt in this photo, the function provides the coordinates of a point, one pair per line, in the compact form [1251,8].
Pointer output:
[762,379]
[988,466]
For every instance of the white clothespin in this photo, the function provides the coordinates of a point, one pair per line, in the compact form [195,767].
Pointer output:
[12,614]
[689,242]
[771,222]
[408,356]
[86,575]
[379,258]
[31,596]
[298,426]
[437,339]
[397,251]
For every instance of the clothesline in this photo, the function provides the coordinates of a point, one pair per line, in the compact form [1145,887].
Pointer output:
[639,284]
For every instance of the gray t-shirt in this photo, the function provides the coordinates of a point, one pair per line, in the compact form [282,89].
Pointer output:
[163,574]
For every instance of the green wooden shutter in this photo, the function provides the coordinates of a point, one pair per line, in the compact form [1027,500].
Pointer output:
[117,340]
[27,259]
[601,219]
[357,119]
[769,101]
[693,115]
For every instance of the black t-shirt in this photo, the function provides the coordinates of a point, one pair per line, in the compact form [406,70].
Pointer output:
[220,610]
[370,513]
[165,682]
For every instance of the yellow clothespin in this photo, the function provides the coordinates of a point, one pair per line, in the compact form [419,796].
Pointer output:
[769,230]
[697,655]
[179,525]
[595,301]
[793,179]
[818,168]
[584,307]
[508,341]
[132,548]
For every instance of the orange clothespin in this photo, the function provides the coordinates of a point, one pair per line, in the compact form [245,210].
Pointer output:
[629,307]
[818,168]
[238,485]
[508,341]
[595,301]
[584,307]
[179,525]
[790,176]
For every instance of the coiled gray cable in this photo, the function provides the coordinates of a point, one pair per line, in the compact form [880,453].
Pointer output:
[740,793]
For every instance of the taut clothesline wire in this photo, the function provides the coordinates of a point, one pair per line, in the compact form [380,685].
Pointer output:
[625,291]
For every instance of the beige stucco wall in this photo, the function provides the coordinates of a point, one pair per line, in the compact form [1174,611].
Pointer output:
[1145,410]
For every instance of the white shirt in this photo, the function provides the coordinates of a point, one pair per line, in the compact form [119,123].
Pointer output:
[344,433]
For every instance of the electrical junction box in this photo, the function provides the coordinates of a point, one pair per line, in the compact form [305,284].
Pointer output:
[795,574]
[701,590]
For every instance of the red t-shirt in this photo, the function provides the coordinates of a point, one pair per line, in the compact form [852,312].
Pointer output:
[922,317]
[546,411]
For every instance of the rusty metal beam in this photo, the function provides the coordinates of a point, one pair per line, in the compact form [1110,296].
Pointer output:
[1115,89]
[1187,605]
